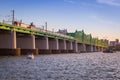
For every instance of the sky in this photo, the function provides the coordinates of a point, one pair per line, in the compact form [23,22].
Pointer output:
[97,17]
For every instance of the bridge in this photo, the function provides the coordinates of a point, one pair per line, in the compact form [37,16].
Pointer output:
[17,40]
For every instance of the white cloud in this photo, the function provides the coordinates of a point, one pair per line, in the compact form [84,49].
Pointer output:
[69,1]
[110,2]
[104,21]
[91,5]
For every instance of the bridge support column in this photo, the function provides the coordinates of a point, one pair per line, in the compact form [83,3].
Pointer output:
[36,51]
[65,47]
[33,41]
[13,39]
[54,45]
[68,45]
[8,43]
[62,46]
[27,43]
[16,51]
[99,49]
[71,45]
[81,48]
[89,48]
[57,44]
[42,43]
[76,47]
[47,42]
[102,48]
[84,48]
[8,39]
[94,48]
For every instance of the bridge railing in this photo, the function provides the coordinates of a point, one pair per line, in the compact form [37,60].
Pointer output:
[33,29]
[51,32]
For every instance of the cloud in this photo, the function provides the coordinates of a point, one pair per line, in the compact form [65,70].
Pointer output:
[103,20]
[91,5]
[69,1]
[110,2]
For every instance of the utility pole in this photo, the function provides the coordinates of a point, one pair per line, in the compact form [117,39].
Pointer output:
[46,25]
[13,16]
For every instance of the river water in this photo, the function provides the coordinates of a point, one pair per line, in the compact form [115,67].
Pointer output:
[83,66]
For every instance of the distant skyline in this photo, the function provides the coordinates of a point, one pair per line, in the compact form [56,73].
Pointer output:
[97,17]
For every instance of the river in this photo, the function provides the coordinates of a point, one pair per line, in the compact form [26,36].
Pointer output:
[83,66]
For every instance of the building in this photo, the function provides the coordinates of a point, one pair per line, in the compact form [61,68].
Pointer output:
[114,43]
[64,31]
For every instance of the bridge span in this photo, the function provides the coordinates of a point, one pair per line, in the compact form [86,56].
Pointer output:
[16,40]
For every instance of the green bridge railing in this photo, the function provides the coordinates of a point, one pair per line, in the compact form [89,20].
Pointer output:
[39,32]
[78,36]
[81,37]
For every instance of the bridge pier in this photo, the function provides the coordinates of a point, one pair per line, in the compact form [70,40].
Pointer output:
[8,43]
[101,49]
[76,47]
[69,47]
[17,43]
[16,51]
[94,49]
[42,43]
[98,48]
[81,47]
[6,39]
[54,45]
[26,43]
[62,46]
[89,48]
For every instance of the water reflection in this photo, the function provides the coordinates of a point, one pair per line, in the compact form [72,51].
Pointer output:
[85,66]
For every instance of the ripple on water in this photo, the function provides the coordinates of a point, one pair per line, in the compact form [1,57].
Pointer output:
[88,66]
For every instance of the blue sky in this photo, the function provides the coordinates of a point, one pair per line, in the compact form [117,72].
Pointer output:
[98,17]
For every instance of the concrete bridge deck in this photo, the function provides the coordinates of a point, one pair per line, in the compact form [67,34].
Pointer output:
[15,40]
